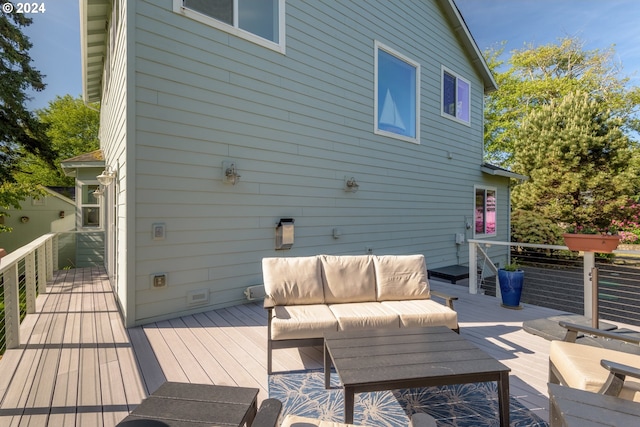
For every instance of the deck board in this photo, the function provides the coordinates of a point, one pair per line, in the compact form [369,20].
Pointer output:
[78,365]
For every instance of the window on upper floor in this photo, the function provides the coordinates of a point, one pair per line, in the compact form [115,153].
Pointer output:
[456,97]
[397,95]
[485,211]
[261,21]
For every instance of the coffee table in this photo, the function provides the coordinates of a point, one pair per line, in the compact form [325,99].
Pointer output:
[390,359]
[186,405]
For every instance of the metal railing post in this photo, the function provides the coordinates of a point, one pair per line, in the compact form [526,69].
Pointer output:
[30,281]
[589,263]
[473,268]
[11,307]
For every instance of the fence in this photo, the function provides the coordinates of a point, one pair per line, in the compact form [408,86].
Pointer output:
[559,279]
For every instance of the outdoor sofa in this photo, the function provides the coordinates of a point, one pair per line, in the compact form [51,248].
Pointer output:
[307,296]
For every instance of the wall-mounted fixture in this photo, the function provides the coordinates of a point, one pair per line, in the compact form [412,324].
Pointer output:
[284,233]
[61,214]
[99,192]
[350,184]
[336,233]
[24,219]
[106,177]
[230,173]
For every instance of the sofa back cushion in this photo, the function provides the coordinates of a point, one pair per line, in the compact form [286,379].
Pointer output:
[348,278]
[401,277]
[292,281]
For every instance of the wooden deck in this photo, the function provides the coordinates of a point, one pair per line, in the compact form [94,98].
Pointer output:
[78,366]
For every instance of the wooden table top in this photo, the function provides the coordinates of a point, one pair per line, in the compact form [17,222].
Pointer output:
[407,354]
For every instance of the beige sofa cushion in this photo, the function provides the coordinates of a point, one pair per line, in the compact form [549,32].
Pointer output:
[298,421]
[348,278]
[423,312]
[364,315]
[302,321]
[401,277]
[580,367]
[290,281]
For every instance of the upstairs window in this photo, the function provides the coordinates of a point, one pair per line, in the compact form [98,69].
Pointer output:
[456,97]
[485,211]
[261,18]
[397,95]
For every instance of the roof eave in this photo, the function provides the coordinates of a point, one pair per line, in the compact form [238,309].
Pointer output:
[460,27]
[496,171]
[94,15]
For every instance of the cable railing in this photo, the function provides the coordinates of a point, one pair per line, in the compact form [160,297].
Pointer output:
[558,278]
[25,272]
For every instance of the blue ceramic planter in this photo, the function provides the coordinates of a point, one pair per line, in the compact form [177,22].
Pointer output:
[511,287]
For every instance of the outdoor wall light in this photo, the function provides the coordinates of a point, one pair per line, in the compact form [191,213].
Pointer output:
[230,173]
[99,192]
[284,234]
[24,219]
[106,177]
[350,184]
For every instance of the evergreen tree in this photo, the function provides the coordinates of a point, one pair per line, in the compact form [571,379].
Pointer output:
[580,163]
[20,130]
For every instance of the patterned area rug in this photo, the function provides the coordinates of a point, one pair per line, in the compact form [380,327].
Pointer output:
[465,405]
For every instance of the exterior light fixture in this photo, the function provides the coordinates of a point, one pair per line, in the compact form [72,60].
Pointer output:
[350,184]
[106,177]
[230,173]
[284,234]
[99,192]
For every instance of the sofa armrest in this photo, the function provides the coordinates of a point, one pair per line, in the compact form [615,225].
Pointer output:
[617,373]
[573,329]
[268,413]
[268,303]
[448,299]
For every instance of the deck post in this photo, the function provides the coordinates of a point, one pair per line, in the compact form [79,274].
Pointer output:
[30,281]
[55,251]
[473,268]
[589,263]
[42,269]
[49,251]
[11,307]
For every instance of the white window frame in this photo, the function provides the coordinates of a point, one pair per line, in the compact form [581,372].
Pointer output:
[377,47]
[457,76]
[82,205]
[234,29]
[485,188]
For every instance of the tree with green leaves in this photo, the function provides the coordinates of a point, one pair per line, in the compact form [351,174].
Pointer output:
[72,128]
[20,131]
[537,76]
[582,167]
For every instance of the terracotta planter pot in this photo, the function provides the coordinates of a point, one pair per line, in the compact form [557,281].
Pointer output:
[591,242]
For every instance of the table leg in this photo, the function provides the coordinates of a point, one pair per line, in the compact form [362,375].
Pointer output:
[349,403]
[327,367]
[251,412]
[503,398]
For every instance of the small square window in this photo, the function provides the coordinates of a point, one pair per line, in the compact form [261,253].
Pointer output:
[397,95]
[456,97]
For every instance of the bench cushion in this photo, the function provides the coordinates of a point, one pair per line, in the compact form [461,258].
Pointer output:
[401,277]
[422,313]
[348,278]
[291,281]
[580,367]
[302,321]
[364,315]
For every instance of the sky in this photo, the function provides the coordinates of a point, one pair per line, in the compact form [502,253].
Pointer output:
[55,34]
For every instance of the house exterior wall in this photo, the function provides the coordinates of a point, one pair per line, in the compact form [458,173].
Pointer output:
[295,124]
[115,133]
[43,216]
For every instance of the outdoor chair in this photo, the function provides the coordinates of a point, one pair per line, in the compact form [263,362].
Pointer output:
[596,369]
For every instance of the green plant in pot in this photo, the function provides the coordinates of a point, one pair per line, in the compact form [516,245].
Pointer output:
[511,278]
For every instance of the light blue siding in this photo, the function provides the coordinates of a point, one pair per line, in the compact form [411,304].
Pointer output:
[295,124]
